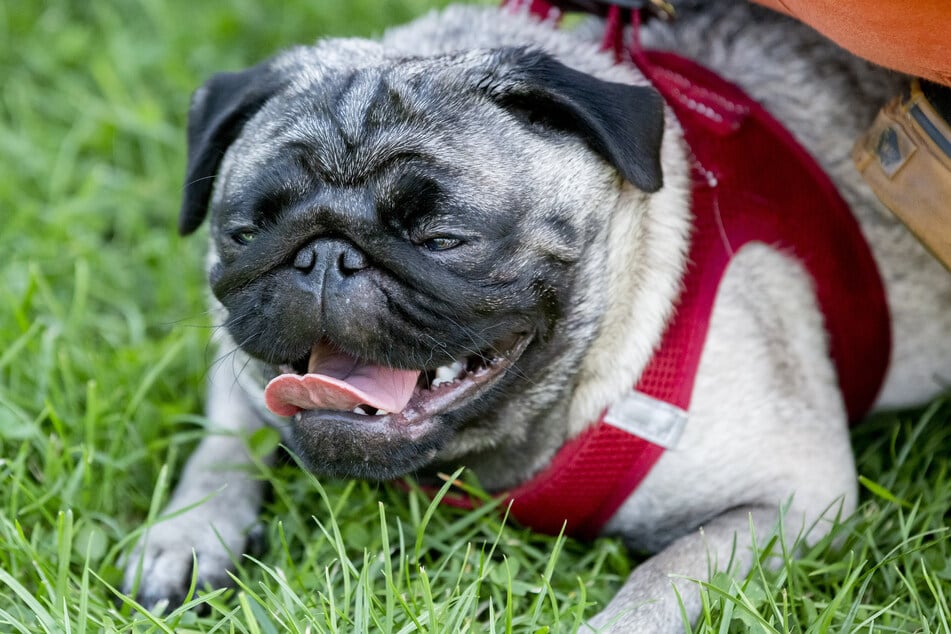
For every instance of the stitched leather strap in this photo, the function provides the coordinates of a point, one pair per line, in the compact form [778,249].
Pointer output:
[905,157]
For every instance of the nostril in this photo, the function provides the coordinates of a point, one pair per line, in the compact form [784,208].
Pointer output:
[306,259]
[352,260]
[330,255]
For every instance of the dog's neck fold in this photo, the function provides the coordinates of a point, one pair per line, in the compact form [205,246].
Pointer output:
[648,241]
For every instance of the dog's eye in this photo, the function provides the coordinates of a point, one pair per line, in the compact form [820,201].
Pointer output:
[244,236]
[441,243]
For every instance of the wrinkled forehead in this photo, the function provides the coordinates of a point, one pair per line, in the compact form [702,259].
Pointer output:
[352,109]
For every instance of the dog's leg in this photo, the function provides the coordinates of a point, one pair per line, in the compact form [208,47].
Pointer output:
[648,601]
[767,428]
[221,497]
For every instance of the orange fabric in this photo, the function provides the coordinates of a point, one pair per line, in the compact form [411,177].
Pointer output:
[913,36]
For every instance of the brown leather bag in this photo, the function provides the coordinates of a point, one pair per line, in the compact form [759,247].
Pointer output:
[906,159]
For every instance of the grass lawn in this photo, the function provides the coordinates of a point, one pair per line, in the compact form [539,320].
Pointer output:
[103,351]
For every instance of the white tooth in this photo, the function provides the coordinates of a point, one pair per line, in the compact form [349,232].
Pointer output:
[359,410]
[447,373]
[381,412]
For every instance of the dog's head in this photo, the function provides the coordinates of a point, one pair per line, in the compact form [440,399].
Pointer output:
[412,244]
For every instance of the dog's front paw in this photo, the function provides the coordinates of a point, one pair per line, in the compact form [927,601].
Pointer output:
[644,618]
[160,568]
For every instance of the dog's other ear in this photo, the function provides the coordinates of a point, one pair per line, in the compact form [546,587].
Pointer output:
[218,112]
[623,124]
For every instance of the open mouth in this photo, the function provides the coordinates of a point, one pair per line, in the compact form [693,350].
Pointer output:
[332,381]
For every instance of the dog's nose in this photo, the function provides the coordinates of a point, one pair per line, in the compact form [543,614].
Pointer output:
[340,255]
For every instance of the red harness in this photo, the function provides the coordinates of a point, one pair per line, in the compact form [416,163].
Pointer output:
[752,182]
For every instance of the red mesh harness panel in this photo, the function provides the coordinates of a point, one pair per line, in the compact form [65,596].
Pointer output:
[752,182]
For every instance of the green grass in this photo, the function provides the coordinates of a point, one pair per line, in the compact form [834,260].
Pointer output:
[103,351]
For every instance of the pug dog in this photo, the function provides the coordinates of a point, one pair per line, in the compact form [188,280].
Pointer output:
[452,247]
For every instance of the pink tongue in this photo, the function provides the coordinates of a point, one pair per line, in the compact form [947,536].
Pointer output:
[339,382]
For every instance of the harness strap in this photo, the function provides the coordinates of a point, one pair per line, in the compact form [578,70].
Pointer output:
[752,182]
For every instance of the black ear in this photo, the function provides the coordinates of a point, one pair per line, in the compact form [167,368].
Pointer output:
[218,112]
[622,123]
